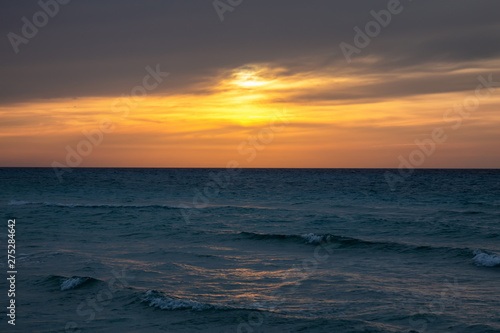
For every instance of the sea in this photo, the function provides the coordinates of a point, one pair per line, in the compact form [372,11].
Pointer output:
[250,250]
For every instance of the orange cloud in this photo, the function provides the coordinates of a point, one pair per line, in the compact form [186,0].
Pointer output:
[329,123]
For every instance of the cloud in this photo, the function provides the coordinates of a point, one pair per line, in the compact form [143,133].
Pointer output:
[93,48]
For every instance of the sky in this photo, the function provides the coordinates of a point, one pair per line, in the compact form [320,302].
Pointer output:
[266,83]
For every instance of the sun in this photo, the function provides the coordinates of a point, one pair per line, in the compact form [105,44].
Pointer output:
[248,78]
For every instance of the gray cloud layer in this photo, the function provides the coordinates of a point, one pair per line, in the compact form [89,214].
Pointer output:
[99,48]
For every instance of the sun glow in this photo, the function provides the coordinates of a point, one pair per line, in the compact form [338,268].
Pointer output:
[203,126]
[249,78]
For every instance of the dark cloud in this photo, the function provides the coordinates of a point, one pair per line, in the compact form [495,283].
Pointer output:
[395,86]
[100,48]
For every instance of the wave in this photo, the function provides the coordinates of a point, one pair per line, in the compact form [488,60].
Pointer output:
[157,206]
[345,242]
[75,282]
[311,238]
[481,258]
[242,207]
[164,302]
[485,259]
[73,205]
[69,283]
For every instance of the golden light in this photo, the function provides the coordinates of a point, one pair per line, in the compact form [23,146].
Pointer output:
[321,110]
[248,78]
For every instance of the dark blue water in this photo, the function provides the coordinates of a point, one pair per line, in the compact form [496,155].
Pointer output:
[254,250]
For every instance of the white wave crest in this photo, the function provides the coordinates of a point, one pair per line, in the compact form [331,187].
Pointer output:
[72,283]
[485,259]
[315,239]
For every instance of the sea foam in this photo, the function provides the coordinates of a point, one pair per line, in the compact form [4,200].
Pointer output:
[73,282]
[485,259]
[316,239]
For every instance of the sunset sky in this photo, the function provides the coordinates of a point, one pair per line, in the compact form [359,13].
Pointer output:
[267,86]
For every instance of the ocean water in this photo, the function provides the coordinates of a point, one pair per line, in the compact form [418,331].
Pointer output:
[254,250]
